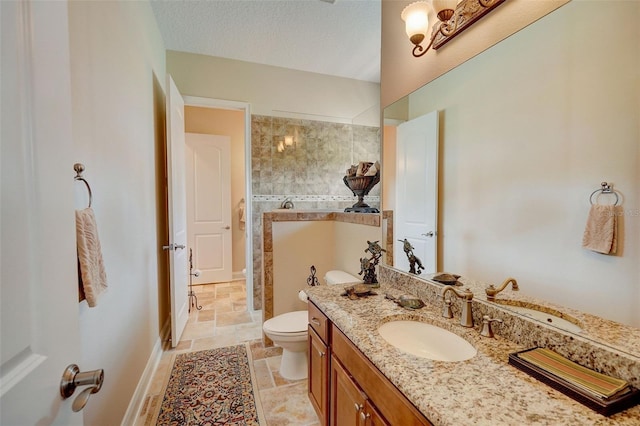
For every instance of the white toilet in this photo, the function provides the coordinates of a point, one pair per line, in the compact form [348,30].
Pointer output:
[289,330]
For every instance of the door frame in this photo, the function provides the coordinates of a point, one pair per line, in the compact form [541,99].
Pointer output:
[246,108]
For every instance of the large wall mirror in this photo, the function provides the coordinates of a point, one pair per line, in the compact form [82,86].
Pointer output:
[527,131]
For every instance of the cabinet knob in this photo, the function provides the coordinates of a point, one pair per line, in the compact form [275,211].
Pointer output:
[364,416]
[321,354]
[315,321]
[358,407]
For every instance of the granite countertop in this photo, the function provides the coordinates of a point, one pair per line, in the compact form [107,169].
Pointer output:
[484,390]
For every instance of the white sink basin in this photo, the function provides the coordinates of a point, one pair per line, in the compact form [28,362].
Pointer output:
[547,318]
[426,341]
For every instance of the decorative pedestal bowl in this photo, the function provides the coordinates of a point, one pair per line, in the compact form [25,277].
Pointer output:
[360,186]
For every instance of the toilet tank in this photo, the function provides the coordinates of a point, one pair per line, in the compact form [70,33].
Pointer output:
[340,277]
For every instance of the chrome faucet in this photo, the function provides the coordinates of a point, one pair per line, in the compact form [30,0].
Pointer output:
[466,317]
[287,203]
[492,291]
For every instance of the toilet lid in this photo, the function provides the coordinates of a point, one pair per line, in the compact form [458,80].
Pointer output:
[290,322]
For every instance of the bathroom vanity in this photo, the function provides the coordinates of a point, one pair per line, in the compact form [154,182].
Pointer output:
[345,388]
[356,377]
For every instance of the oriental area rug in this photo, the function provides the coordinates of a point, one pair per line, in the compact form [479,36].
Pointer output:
[212,387]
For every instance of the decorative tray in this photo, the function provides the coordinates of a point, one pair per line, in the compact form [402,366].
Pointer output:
[606,407]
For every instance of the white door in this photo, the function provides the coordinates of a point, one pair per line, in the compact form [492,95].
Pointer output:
[417,191]
[39,282]
[177,244]
[209,206]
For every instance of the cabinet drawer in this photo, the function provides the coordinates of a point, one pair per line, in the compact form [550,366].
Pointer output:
[319,322]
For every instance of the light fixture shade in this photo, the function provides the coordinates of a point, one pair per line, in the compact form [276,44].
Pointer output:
[415,17]
[444,8]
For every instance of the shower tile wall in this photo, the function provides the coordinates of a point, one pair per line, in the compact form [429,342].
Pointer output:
[309,171]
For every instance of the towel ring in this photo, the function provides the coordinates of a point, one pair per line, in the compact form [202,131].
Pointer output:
[605,188]
[79,168]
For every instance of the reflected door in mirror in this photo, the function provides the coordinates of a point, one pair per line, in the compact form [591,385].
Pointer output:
[417,191]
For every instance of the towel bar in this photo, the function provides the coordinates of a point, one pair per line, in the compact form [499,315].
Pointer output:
[79,168]
[605,188]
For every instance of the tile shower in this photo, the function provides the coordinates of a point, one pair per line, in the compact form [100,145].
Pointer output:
[304,160]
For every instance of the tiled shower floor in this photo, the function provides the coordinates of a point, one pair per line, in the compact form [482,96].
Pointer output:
[224,321]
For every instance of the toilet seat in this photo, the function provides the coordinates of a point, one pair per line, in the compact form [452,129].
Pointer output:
[288,323]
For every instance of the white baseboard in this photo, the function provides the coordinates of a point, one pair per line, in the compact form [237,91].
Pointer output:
[137,400]
[238,276]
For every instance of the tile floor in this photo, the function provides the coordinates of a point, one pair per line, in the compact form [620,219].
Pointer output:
[224,321]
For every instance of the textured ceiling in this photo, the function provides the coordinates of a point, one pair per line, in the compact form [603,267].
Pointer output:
[340,38]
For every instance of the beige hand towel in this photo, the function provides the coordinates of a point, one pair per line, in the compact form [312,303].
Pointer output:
[600,234]
[242,214]
[92,272]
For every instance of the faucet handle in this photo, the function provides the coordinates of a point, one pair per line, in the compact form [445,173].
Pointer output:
[487,331]
[446,311]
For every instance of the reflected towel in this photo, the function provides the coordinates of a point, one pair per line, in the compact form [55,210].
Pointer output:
[600,234]
[242,214]
[92,273]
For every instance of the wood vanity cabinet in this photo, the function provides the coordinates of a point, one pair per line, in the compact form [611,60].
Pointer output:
[345,388]
[386,404]
[318,378]
[349,404]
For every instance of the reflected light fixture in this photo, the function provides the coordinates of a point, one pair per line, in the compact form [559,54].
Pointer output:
[454,16]
[288,142]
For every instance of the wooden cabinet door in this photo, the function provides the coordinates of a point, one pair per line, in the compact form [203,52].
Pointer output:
[319,376]
[372,416]
[347,401]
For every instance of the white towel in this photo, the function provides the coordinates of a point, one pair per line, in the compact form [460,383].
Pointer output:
[601,231]
[91,266]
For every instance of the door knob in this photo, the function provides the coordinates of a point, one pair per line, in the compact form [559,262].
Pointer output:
[227,227]
[178,246]
[428,234]
[72,378]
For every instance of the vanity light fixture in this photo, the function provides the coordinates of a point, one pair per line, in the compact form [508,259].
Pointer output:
[454,16]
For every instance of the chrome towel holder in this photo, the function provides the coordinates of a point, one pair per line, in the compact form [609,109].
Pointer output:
[79,168]
[605,188]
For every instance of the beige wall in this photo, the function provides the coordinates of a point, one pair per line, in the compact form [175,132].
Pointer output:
[351,241]
[118,74]
[530,129]
[230,123]
[276,91]
[327,245]
[401,73]
[297,246]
